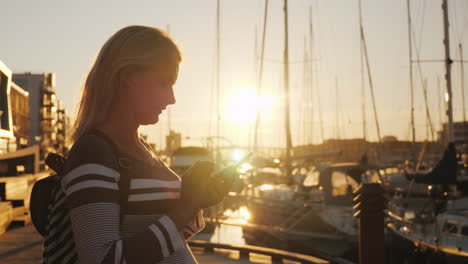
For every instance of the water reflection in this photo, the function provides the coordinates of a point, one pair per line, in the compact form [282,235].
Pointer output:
[240,216]
[230,232]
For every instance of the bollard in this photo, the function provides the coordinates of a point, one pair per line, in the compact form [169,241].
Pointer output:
[369,205]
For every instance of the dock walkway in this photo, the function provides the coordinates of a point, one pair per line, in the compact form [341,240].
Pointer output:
[23,245]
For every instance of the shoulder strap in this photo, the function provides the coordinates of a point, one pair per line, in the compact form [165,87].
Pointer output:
[107,139]
[125,166]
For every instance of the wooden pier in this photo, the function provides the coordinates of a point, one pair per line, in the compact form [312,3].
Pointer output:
[23,245]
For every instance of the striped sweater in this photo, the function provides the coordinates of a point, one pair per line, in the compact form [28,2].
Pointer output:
[107,229]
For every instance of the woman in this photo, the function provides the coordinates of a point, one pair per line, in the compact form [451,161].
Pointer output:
[125,205]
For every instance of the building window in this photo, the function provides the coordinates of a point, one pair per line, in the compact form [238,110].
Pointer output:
[450,228]
[4,118]
[464,231]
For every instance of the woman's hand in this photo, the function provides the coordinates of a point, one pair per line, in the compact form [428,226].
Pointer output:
[201,188]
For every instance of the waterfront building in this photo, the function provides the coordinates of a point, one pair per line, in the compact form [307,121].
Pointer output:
[390,151]
[19,100]
[7,138]
[460,134]
[46,116]
[173,141]
[62,128]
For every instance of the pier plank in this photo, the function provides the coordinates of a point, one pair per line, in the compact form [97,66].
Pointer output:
[21,245]
[21,216]
[6,216]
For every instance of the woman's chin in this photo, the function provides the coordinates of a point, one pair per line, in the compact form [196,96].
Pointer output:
[150,121]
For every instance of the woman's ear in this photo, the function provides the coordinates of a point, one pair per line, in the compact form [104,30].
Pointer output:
[125,79]
[126,83]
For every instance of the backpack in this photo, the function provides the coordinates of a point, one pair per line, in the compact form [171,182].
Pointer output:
[51,217]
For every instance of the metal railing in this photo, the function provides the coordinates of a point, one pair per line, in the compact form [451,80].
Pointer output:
[277,256]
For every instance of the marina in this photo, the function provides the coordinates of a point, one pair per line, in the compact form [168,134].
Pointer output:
[326,172]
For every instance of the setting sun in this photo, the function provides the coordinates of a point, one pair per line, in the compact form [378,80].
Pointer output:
[243,104]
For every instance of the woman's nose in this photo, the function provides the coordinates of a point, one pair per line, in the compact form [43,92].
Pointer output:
[171,98]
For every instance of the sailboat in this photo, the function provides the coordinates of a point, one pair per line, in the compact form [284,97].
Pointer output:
[436,232]
[314,217]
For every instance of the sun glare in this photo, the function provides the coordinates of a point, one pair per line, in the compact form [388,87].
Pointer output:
[243,104]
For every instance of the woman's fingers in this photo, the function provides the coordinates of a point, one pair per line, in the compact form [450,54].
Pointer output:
[220,187]
[206,167]
[210,190]
[201,170]
[229,175]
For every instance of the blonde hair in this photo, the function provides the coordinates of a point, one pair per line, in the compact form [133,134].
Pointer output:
[133,48]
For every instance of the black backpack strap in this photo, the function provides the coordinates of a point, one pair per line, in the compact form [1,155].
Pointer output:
[56,162]
[125,165]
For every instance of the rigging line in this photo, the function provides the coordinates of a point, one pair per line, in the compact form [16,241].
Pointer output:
[213,88]
[289,143]
[290,62]
[302,102]
[371,86]
[411,82]
[462,76]
[260,74]
[440,98]
[424,61]
[337,117]
[457,33]
[421,29]
[453,13]
[319,106]
[306,96]
[315,77]
[169,114]
[465,18]
[363,86]
[424,88]
[218,66]
[311,76]
[408,134]
[252,126]
[418,13]
[428,115]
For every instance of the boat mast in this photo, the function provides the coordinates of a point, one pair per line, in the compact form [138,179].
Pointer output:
[363,88]
[429,130]
[251,145]
[260,75]
[306,98]
[410,46]
[286,92]
[337,103]
[369,75]
[314,78]
[218,66]
[440,94]
[169,115]
[448,69]
[462,76]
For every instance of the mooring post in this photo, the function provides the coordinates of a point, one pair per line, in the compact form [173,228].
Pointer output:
[369,205]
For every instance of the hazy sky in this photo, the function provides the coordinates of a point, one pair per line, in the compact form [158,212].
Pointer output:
[64,36]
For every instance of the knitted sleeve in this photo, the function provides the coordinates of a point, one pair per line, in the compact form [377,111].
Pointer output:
[92,196]
[195,226]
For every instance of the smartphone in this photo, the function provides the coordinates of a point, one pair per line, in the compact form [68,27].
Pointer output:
[244,159]
[237,164]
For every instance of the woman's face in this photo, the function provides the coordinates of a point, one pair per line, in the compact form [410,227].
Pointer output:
[150,91]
